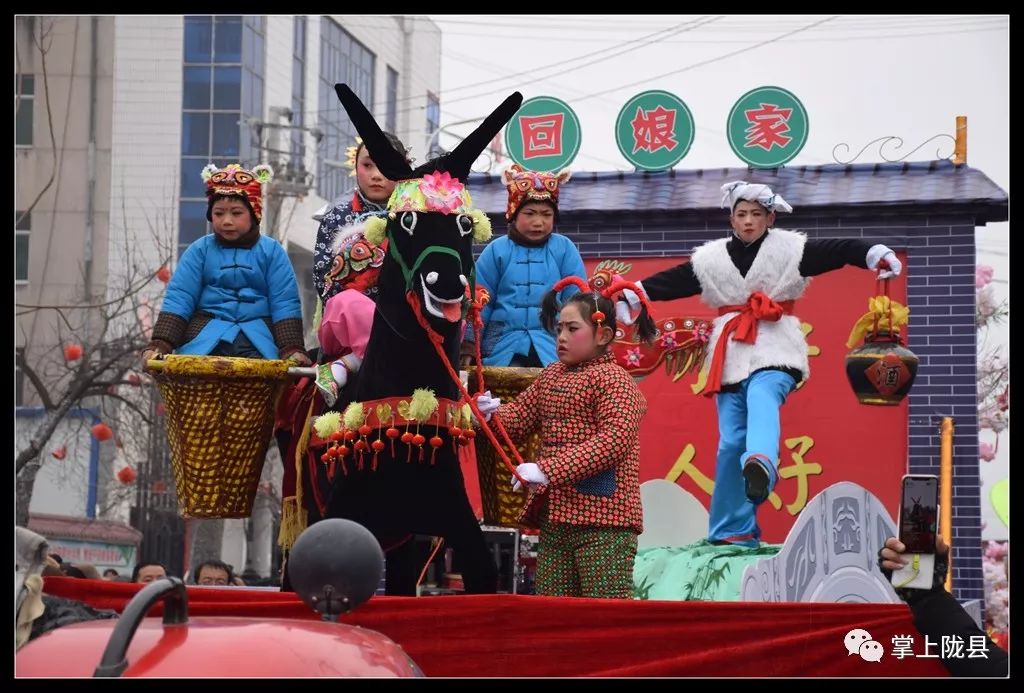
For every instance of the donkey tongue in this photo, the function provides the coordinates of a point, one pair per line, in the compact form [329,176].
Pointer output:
[452,311]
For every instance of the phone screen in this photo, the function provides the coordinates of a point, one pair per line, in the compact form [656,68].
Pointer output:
[919,514]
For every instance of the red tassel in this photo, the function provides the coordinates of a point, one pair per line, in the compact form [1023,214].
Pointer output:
[435,442]
[377,445]
[392,433]
[407,439]
[330,470]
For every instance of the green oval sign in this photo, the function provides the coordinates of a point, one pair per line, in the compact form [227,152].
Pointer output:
[543,135]
[767,127]
[654,130]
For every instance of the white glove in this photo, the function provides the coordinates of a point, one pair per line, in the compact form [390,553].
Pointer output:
[627,309]
[877,254]
[622,313]
[487,404]
[531,472]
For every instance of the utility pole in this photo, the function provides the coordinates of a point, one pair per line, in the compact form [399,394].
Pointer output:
[291,179]
[274,138]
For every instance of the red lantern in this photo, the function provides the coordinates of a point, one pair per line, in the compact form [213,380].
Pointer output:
[72,352]
[134,379]
[102,432]
[160,409]
[163,274]
[60,453]
[126,475]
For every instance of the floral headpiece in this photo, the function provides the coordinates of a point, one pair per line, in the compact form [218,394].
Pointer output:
[435,192]
[531,186]
[610,292]
[239,182]
[350,155]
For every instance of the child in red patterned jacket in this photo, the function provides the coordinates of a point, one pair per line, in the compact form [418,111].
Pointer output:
[584,488]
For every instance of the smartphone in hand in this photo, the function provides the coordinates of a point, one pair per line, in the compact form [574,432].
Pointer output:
[919,525]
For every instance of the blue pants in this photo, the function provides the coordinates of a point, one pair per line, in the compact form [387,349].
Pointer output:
[748,425]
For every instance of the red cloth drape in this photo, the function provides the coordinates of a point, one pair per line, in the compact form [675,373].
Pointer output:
[506,635]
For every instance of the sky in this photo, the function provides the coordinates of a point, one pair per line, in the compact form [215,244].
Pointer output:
[860,78]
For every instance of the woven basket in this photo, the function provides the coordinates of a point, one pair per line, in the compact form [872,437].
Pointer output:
[220,418]
[501,504]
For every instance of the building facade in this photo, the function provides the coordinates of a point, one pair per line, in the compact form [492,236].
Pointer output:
[115,118]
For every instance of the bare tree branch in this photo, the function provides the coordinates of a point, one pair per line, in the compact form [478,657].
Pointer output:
[81,306]
[134,407]
[30,373]
[53,419]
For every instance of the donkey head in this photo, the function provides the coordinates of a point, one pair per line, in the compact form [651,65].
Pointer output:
[431,223]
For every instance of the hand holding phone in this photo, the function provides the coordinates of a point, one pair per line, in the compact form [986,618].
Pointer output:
[919,524]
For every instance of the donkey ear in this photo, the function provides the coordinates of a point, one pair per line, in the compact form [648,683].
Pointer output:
[392,164]
[461,159]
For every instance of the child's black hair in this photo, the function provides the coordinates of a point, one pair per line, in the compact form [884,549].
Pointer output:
[588,303]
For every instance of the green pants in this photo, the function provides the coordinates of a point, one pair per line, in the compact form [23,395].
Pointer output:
[582,561]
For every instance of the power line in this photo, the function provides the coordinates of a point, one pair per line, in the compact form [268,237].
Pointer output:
[709,61]
[836,39]
[661,40]
[561,64]
[644,42]
[735,24]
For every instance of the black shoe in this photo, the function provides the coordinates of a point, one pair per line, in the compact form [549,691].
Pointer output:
[756,480]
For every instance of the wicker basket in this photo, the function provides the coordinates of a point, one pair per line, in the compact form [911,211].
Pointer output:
[501,504]
[220,418]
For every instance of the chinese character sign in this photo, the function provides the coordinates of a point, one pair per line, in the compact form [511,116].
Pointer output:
[767,127]
[827,435]
[543,135]
[654,130]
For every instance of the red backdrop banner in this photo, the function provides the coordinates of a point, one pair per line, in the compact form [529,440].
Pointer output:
[827,435]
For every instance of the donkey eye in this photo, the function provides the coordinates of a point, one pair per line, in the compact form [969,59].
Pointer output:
[465,224]
[408,221]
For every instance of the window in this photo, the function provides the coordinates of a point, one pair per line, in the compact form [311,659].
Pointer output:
[433,123]
[24,104]
[222,90]
[391,116]
[22,227]
[342,59]
[298,149]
